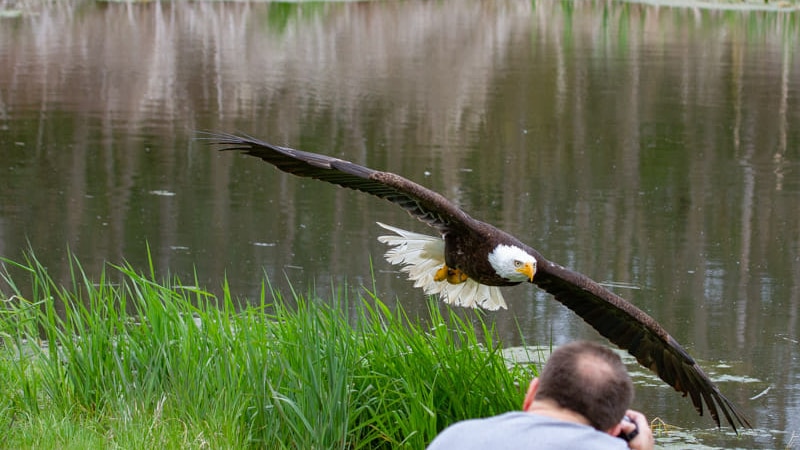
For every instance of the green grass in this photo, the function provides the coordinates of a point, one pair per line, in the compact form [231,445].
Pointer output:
[128,361]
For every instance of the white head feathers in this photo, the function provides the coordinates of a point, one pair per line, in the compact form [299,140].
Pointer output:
[513,263]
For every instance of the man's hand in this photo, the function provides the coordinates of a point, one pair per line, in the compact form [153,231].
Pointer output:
[643,440]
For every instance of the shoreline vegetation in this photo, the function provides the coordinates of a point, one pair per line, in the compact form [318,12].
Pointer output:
[31,7]
[737,5]
[128,361]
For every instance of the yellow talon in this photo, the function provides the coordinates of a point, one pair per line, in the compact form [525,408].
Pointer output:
[441,274]
[453,276]
[456,276]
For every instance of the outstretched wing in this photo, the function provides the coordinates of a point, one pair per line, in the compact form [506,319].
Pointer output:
[426,205]
[633,330]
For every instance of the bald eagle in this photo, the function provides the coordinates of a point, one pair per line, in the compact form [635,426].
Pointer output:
[471,259]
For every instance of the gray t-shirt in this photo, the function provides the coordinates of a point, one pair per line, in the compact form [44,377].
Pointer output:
[522,430]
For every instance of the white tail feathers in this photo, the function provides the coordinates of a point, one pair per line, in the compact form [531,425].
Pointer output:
[421,256]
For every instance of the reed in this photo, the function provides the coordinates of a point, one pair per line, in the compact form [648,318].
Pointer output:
[130,361]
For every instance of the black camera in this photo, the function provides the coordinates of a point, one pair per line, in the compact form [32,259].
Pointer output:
[627,437]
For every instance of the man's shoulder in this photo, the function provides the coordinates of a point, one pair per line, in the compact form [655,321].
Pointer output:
[518,429]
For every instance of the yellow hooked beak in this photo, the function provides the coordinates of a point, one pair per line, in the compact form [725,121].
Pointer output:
[528,269]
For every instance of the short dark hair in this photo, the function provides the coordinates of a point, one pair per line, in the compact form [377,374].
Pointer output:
[589,379]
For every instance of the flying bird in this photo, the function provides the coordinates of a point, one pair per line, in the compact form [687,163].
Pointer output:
[469,260]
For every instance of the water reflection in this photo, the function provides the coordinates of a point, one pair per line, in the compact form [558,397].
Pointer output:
[645,145]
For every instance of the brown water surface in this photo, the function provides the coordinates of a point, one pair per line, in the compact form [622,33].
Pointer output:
[653,148]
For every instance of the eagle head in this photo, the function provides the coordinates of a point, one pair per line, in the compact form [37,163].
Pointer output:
[513,263]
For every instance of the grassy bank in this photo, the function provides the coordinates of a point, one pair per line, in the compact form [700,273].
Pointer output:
[128,361]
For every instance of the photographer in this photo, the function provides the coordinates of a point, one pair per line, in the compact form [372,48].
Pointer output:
[580,400]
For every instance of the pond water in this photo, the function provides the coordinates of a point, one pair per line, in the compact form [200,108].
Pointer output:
[653,148]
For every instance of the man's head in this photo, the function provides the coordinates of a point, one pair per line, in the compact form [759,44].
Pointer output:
[589,379]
